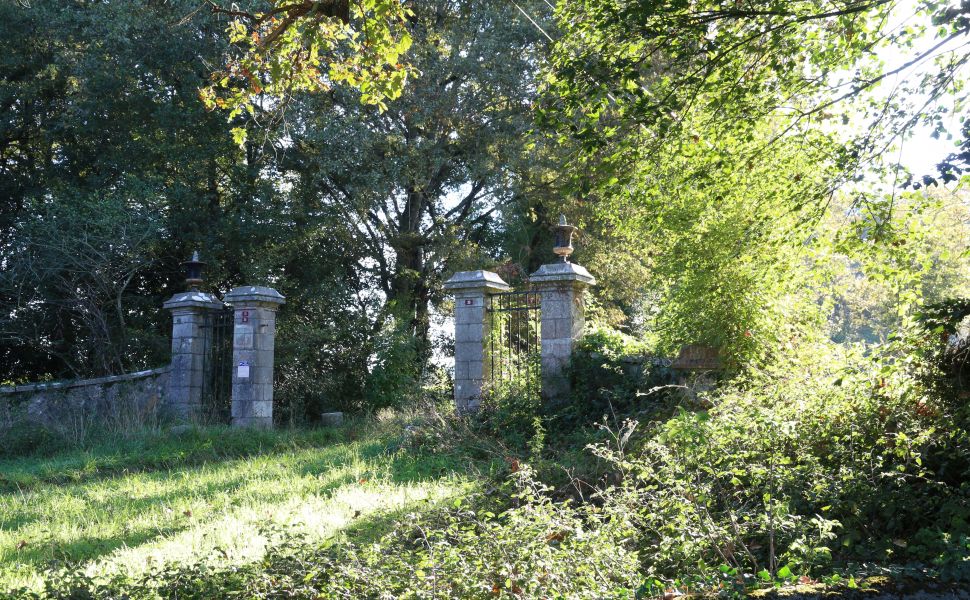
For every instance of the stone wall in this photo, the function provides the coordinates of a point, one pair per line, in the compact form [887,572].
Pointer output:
[73,407]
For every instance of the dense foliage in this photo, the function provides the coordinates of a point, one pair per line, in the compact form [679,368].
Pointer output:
[730,167]
[114,172]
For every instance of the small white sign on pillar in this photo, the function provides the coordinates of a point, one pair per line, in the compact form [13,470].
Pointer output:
[252,354]
[472,322]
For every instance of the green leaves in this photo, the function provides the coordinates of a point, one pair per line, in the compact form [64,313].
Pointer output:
[239,136]
[295,47]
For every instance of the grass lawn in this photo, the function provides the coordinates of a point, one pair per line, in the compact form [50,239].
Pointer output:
[213,494]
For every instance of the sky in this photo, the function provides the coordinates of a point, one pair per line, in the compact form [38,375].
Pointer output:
[920,153]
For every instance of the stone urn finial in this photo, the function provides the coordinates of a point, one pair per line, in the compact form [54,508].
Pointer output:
[564,239]
[193,272]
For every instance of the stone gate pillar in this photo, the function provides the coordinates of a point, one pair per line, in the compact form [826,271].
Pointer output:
[471,289]
[253,343]
[560,285]
[191,339]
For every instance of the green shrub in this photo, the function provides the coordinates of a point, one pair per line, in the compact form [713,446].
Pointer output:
[394,375]
[826,458]
[610,374]
[510,409]
[938,339]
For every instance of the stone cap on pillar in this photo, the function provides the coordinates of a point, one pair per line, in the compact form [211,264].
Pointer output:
[476,280]
[562,272]
[193,299]
[254,294]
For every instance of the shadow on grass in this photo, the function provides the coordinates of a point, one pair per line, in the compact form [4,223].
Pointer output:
[91,547]
[292,567]
[157,452]
[400,467]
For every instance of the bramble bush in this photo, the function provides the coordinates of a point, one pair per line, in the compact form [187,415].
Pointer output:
[827,456]
[943,350]
[824,458]
[609,375]
[510,410]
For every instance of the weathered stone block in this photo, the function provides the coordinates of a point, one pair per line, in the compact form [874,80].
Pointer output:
[263,390]
[332,419]
[185,345]
[557,347]
[469,332]
[555,310]
[262,409]
[469,314]
[258,423]
[265,356]
[243,337]
[468,350]
[475,369]
[556,328]
[185,330]
[242,392]
[262,373]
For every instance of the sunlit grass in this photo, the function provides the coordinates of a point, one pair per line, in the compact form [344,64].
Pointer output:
[111,512]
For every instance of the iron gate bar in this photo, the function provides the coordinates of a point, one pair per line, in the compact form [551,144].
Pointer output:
[217,363]
[514,342]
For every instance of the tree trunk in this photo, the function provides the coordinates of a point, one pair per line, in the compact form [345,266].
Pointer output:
[411,295]
[410,289]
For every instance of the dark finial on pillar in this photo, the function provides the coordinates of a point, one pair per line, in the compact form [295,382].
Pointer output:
[564,239]
[193,272]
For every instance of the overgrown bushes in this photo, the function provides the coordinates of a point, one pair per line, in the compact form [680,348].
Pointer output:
[610,374]
[825,457]
[24,438]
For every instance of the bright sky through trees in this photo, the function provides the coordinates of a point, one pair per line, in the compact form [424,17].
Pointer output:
[920,152]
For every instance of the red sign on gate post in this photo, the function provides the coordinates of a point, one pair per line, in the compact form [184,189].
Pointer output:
[245,316]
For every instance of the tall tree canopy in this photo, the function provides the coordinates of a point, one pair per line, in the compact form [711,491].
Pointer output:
[110,169]
[422,183]
[651,67]
[710,140]
[114,171]
[284,47]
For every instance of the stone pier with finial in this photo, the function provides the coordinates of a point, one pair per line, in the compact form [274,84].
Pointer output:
[561,285]
[190,341]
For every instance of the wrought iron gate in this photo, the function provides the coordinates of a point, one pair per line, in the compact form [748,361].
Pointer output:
[217,365]
[514,343]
